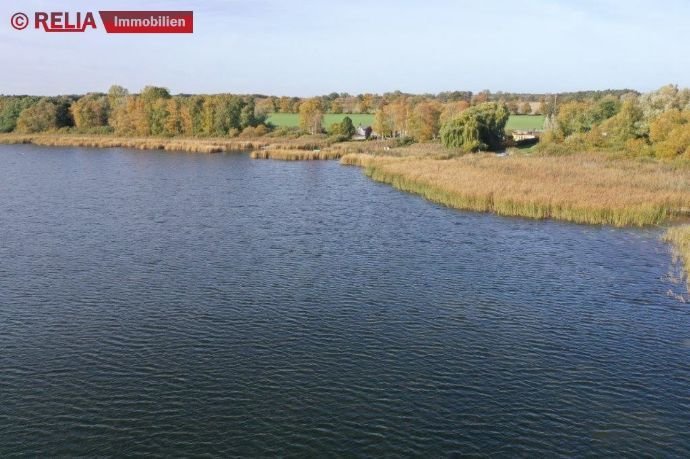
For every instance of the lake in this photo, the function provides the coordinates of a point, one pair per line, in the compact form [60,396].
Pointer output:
[172,304]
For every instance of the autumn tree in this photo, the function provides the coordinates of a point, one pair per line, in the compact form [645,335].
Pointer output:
[400,113]
[383,122]
[336,106]
[366,102]
[91,111]
[481,97]
[311,116]
[267,106]
[130,117]
[178,121]
[39,117]
[452,109]
[425,121]
[670,134]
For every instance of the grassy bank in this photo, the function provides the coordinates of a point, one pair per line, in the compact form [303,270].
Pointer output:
[580,188]
[295,155]
[679,236]
[193,145]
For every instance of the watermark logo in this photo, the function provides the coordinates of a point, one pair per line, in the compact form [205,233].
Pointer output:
[64,21]
[19,21]
[113,21]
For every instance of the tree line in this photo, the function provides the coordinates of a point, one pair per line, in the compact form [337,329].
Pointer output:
[655,124]
[152,112]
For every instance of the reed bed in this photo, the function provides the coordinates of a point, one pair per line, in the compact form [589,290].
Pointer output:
[582,188]
[679,237]
[194,145]
[389,148]
[295,155]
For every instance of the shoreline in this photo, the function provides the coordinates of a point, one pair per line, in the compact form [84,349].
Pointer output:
[580,188]
[186,144]
[423,178]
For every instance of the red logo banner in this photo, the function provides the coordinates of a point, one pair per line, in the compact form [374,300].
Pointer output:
[148,21]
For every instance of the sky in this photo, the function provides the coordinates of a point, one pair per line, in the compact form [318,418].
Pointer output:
[306,48]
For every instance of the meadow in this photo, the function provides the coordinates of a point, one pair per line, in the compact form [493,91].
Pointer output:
[292,119]
[523,122]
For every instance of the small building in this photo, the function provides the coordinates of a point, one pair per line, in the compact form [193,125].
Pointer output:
[525,136]
[362,133]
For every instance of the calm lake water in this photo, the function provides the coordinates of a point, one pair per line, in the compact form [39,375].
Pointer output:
[179,304]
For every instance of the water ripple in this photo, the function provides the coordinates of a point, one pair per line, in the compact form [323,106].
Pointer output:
[170,304]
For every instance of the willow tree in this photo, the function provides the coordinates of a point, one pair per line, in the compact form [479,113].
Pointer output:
[477,128]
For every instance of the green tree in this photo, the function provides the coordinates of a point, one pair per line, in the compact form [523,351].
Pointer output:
[605,109]
[153,93]
[574,118]
[248,115]
[347,128]
[10,110]
[116,95]
[154,99]
[626,124]
[479,127]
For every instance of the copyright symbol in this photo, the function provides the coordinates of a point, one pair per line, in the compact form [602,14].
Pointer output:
[19,21]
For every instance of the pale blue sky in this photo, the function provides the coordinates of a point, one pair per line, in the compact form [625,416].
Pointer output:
[308,47]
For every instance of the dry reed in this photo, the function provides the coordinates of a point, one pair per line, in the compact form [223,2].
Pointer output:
[295,155]
[581,188]
[194,145]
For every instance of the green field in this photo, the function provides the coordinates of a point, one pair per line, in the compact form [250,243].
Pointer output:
[292,119]
[525,122]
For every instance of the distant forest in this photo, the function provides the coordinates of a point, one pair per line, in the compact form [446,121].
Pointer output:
[652,124]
